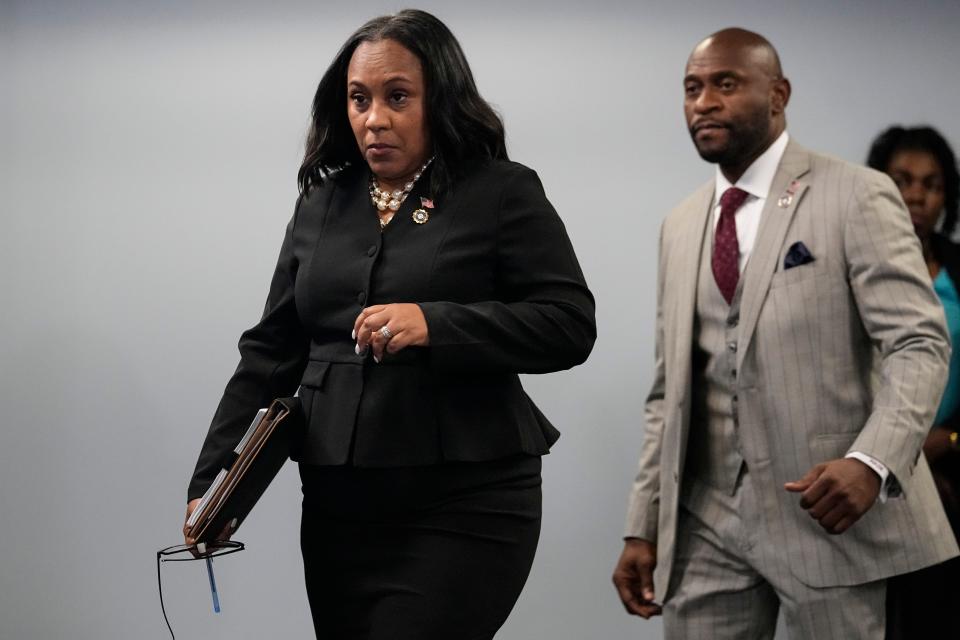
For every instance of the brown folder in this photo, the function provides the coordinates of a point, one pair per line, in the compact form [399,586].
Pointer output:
[259,456]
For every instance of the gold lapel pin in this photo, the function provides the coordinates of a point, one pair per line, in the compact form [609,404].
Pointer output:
[420,216]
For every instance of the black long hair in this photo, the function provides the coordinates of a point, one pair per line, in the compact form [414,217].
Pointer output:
[463,127]
[926,139]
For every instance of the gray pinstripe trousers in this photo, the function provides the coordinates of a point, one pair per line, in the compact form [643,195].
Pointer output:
[729,580]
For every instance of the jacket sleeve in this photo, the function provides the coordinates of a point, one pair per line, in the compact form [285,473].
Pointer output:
[904,320]
[543,319]
[273,355]
[643,506]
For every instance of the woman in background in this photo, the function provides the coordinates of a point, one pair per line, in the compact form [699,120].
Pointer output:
[923,604]
[421,272]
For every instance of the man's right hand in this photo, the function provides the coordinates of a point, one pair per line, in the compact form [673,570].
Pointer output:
[633,577]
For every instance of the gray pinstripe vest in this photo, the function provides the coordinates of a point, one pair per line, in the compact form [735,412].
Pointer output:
[713,450]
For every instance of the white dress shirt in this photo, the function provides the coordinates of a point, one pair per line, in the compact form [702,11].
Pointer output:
[756,181]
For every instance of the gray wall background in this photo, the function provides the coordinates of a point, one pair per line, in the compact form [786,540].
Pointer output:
[149,153]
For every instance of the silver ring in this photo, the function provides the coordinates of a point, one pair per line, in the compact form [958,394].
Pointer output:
[385,332]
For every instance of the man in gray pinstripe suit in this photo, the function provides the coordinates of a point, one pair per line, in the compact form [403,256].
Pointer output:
[800,357]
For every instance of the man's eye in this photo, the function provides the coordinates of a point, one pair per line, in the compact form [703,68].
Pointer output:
[728,85]
[691,89]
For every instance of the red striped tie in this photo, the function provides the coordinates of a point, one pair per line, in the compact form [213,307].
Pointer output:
[726,248]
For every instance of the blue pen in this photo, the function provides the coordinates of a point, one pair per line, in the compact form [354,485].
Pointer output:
[213,586]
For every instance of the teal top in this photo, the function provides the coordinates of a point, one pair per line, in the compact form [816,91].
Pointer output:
[947,292]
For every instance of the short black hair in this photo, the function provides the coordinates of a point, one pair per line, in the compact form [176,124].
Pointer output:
[926,139]
[463,127]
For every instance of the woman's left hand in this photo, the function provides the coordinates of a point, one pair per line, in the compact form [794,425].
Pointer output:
[405,323]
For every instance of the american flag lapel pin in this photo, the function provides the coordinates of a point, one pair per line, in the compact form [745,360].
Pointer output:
[420,216]
[787,198]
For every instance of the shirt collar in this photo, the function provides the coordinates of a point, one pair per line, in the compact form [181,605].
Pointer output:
[758,177]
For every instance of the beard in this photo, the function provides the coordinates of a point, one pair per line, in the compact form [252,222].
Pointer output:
[743,138]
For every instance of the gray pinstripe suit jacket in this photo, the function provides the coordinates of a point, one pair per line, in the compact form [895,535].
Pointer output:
[846,353]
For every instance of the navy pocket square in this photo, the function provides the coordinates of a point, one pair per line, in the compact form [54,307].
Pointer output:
[797,255]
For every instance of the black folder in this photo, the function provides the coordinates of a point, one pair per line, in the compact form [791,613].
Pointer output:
[258,458]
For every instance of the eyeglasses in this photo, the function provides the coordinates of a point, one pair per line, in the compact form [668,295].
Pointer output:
[189,553]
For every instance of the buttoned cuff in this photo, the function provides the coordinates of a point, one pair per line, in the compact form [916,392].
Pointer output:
[886,480]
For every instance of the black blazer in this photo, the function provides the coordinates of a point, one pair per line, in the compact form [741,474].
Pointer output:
[502,293]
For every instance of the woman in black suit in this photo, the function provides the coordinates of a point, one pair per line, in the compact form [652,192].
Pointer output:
[421,272]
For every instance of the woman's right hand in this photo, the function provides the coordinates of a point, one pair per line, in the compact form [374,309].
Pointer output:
[190,507]
[224,535]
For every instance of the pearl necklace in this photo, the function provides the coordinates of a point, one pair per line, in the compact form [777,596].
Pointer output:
[384,200]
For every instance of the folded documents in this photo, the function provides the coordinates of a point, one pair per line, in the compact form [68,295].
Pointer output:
[259,455]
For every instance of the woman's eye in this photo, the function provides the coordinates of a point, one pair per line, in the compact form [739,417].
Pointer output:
[398,97]
[358,99]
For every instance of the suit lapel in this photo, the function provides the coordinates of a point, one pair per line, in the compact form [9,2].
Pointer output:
[685,262]
[786,192]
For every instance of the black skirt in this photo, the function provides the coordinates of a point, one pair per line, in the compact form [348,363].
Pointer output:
[418,553]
